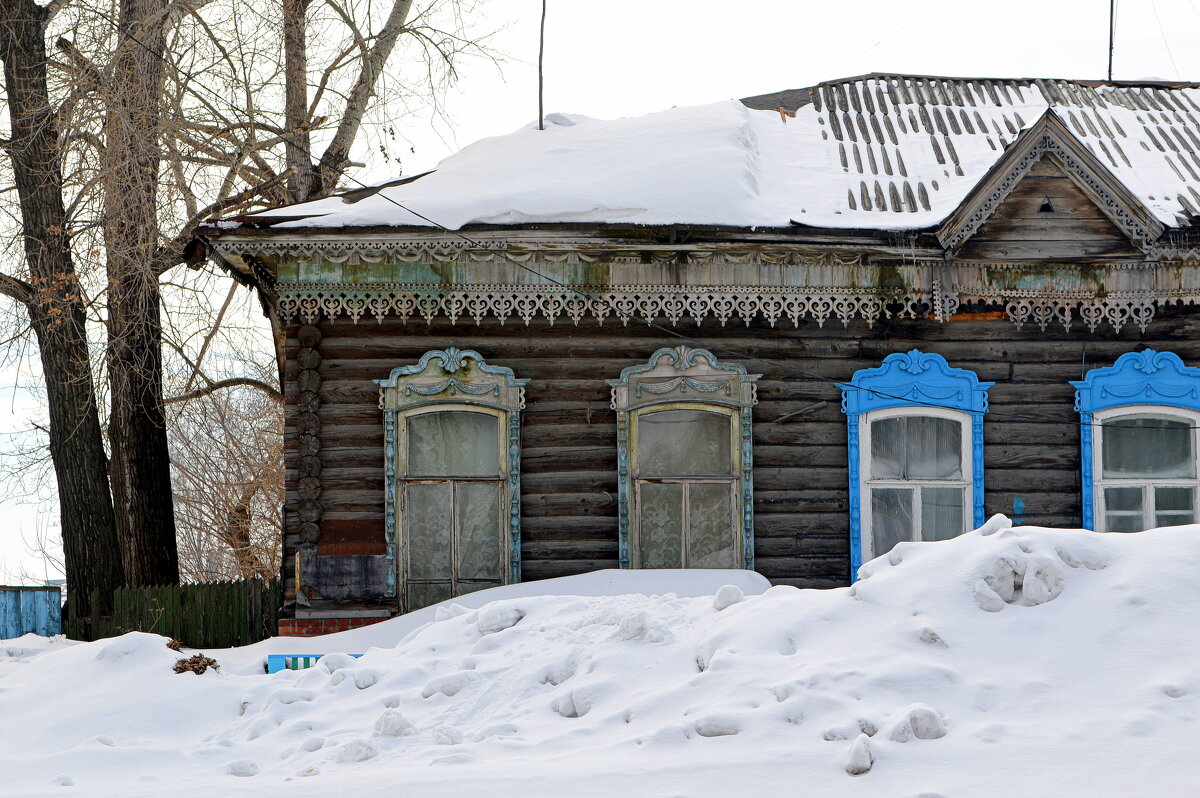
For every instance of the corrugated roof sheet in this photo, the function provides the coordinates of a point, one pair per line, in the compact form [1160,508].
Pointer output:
[904,141]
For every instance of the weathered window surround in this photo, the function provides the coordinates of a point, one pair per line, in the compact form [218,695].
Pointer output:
[451,380]
[1146,384]
[682,378]
[920,384]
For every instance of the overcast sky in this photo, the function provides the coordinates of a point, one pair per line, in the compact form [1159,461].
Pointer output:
[630,57]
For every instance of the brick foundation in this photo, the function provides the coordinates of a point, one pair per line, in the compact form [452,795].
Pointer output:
[310,627]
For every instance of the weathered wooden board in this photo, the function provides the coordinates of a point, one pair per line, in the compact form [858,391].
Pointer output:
[569,509]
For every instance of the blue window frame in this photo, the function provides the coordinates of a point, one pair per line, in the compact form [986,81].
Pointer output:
[1147,402]
[915,439]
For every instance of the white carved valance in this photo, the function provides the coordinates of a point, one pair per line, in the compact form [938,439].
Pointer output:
[675,305]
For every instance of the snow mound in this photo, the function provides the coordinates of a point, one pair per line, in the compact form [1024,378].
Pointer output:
[1053,656]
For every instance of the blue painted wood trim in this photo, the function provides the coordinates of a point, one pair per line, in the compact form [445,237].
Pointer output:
[911,379]
[977,467]
[747,487]
[1088,493]
[624,487]
[855,496]
[1149,377]
[294,662]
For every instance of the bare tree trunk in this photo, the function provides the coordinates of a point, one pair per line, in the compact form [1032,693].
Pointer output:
[56,312]
[237,536]
[137,427]
[295,69]
[337,154]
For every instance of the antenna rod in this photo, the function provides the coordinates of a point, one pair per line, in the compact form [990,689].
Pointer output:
[542,52]
[1112,24]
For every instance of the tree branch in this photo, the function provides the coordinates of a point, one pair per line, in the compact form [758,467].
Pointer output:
[338,151]
[232,382]
[16,289]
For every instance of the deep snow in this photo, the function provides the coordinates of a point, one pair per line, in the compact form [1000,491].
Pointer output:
[726,164]
[1021,661]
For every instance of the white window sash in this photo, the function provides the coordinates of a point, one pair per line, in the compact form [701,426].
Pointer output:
[1149,511]
[867,482]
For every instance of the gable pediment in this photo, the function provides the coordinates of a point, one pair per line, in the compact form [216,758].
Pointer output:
[1048,198]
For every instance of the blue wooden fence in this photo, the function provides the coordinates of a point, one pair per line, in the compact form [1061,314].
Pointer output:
[30,609]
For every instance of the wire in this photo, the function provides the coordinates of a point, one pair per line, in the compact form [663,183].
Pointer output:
[845,386]
[1162,33]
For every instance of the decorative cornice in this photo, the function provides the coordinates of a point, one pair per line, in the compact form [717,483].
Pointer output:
[1148,377]
[672,372]
[673,304]
[914,378]
[431,377]
[624,303]
[557,252]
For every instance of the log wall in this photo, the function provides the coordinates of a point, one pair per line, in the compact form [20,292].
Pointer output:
[568,479]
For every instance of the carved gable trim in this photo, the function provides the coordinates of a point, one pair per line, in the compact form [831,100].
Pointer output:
[1049,136]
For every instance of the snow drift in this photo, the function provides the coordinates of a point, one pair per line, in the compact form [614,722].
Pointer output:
[1015,660]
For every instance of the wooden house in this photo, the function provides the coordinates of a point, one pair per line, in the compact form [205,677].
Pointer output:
[780,334]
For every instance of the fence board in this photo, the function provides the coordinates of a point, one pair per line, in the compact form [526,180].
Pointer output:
[207,615]
[30,609]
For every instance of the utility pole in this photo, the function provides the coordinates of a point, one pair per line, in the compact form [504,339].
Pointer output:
[1112,24]
[542,52]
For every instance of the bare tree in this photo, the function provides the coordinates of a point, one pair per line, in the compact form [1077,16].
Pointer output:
[52,297]
[144,119]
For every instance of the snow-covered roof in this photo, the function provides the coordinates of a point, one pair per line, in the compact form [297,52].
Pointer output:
[877,152]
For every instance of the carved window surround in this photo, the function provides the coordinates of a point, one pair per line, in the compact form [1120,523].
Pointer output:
[452,379]
[682,377]
[912,380]
[1146,378]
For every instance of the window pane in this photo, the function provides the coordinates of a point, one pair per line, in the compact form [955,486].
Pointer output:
[422,594]
[941,513]
[710,514]
[891,517]
[427,524]
[934,448]
[478,523]
[887,448]
[1123,522]
[1147,447]
[453,444]
[683,443]
[1173,498]
[1127,499]
[1174,505]
[660,525]
[471,587]
[916,447]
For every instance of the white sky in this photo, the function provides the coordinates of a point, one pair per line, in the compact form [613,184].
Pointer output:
[629,57]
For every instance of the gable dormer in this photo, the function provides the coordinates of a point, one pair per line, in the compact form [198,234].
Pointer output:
[1049,198]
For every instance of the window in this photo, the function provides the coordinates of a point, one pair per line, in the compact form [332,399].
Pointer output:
[452,492]
[917,475]
[684,461]
[1139,420]
[915,437]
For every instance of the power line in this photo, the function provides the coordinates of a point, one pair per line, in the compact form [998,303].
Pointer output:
[1162,33]
[612,308]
